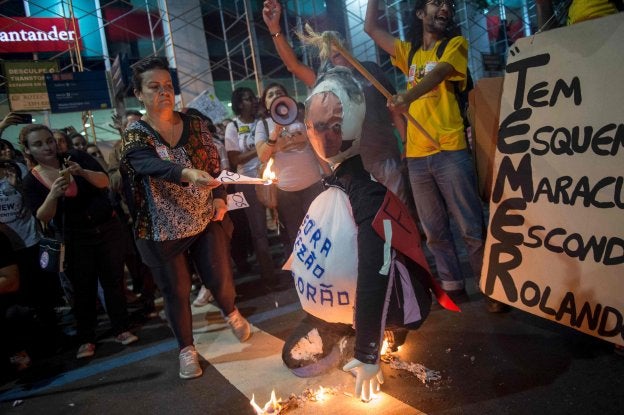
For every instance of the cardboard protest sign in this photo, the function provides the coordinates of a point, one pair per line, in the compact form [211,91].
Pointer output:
[208,104]
[554,246]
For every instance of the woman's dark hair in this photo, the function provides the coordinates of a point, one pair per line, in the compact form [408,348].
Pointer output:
[23,138]
[237,98]
[64,138]
[144,65]
[133,112]
[266,90]
[197,113]
[10,164]
[6,144]
[415,31]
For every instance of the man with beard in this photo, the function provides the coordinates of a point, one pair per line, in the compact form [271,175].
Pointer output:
[443,179]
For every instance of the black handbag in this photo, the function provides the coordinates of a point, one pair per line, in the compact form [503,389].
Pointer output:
[51,254]
[52,247]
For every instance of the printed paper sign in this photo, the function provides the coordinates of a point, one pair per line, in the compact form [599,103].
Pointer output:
[554,245]
[228,177]
[236,201]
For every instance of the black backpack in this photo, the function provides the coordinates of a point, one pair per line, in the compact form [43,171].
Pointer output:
[461,96]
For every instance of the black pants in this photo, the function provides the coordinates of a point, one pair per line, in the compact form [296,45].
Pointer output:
[97,254]
[210,253]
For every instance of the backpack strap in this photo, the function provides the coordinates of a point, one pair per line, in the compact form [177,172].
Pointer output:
[439,52]
[442,47]
[410,56]
[266,126]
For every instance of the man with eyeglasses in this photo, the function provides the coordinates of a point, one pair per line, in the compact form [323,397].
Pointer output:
[443,179]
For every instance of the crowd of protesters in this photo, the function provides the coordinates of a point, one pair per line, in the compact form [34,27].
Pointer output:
[154,208]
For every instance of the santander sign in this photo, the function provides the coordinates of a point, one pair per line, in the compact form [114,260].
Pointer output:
[37,34]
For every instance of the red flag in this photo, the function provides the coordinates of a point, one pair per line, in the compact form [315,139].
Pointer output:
[406,239]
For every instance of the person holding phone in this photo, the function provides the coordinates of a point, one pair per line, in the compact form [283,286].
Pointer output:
[68,192]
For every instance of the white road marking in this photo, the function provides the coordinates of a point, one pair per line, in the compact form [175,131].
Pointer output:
[255,368]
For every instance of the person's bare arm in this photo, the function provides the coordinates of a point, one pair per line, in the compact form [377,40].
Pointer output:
[236,157]
[400,124]
[96,178]
[545,12]
[271,14]
[47,210]
[9,279]
[380,36]
[402,101]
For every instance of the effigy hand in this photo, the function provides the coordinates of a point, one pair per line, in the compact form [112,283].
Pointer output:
[368,377]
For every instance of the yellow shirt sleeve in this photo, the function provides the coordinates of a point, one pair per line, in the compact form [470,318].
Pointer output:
[401,52]
[589,9]
[456,54]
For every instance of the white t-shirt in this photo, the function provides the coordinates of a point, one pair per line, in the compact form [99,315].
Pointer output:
[239,136]
[13,215]
[295,164]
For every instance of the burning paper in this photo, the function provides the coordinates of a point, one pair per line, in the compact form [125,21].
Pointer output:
[278,406]
[228,177]
[268,174]
[421,372]
[273,406]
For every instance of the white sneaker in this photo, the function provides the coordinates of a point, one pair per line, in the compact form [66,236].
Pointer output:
[189,363]
[126,338]
[203,298]
[85,350]
[239,325]
[21,360]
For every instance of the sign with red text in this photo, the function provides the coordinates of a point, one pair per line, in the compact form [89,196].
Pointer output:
[26,84]
[37,34]
[555,244]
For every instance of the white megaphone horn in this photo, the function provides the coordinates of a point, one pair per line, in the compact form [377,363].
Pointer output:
[284,110]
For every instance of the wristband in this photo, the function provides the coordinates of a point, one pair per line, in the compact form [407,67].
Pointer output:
[276,34]
[271,142]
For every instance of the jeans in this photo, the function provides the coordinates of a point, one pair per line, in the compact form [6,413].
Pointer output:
[210,253]
[443,184]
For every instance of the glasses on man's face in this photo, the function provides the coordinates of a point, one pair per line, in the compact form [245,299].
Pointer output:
[438,3]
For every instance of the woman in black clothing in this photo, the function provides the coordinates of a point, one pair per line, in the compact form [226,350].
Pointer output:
[69,192]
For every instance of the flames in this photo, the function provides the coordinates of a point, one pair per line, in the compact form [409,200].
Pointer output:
[273,406]
[386,350]
[277,406]
[320,394]
[269,175]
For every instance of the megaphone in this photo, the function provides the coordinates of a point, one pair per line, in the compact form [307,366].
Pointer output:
[284,110]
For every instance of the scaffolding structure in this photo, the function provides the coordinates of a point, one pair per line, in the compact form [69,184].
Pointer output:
[219,45]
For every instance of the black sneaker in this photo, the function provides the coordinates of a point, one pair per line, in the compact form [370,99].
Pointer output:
[493,306]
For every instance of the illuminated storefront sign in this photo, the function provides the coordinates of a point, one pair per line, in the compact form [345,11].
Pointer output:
[37,34]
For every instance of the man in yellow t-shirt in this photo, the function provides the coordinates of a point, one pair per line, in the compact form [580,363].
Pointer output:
[442,176]
[578,11]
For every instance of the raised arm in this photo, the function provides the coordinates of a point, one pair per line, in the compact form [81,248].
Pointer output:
[271,14]
[544,10]
[380,36]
